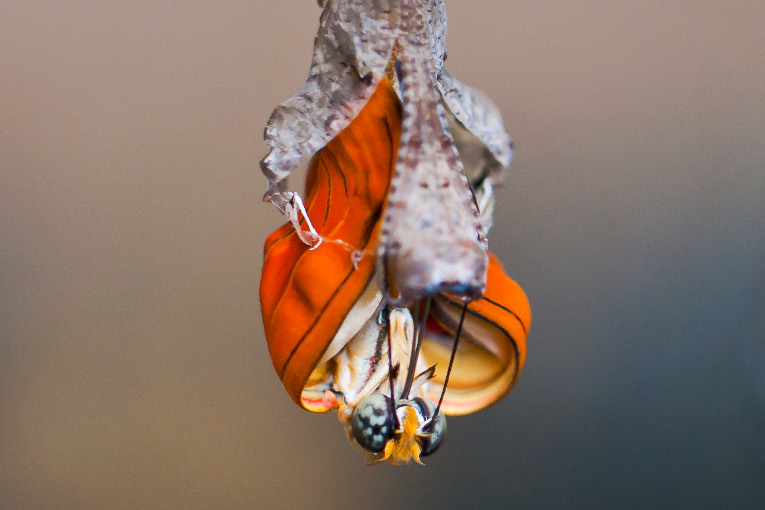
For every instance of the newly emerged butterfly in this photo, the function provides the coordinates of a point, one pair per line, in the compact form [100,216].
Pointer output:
[379,296]
[338,340]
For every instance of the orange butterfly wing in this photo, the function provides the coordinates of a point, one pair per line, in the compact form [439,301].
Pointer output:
[305,295]
[492,348]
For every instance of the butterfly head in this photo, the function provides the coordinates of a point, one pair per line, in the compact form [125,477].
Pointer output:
[400,433]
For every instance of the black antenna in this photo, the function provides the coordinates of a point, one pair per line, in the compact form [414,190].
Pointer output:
[451,361]
[419,332]
[391,377]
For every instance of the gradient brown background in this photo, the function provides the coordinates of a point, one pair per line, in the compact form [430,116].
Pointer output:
[133,368]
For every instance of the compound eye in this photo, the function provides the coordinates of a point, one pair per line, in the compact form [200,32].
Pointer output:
[372,422]
[432,435]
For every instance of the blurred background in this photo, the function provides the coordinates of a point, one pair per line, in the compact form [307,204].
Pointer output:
[133,368]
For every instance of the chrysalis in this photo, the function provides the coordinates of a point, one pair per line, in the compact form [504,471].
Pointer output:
[380,288]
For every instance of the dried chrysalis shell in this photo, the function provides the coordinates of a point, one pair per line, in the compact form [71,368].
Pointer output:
[352,51]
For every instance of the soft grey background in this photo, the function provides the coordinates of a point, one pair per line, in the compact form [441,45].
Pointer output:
[133,368]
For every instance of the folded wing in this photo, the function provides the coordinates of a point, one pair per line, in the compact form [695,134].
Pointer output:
[492,347]
[306,295]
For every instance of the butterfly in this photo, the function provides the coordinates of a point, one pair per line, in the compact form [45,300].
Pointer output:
[340,332]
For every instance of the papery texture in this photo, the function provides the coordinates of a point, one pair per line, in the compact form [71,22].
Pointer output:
[352,51]
[432,239]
